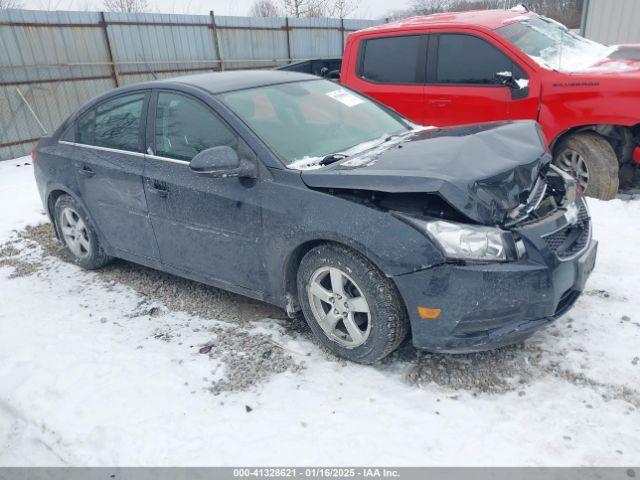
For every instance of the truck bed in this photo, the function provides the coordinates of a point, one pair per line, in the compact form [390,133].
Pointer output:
[321,67]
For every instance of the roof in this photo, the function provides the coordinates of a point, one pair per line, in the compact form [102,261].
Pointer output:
[490,19]
[219,82]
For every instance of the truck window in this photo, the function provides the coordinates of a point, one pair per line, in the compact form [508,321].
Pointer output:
[391,59]
[465,59]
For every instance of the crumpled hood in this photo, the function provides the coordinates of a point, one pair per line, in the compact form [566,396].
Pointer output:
[481,170]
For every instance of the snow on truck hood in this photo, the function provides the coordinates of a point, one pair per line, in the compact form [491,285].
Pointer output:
[481,170]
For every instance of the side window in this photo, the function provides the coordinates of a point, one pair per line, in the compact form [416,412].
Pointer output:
[113,124]
[185,127]
[391,59]
[465,59]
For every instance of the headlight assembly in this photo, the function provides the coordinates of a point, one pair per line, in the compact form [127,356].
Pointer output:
[467,242]
[459,241]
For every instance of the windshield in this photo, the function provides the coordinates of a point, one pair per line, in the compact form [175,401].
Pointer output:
[303,122]
[552,45]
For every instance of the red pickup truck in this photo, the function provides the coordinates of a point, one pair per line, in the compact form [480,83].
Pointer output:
[488,65]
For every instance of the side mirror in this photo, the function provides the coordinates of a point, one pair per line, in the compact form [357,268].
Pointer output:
[506,79]
[221,162]
[519,88]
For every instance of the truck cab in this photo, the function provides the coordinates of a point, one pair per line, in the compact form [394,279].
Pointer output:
[488,65]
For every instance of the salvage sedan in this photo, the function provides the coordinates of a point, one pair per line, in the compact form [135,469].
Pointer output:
[304,194]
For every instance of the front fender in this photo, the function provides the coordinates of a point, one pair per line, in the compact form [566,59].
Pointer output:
[571,101]
[313,217]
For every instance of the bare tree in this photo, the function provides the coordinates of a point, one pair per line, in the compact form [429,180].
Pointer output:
[264,8]
[10,4]
[341,8]
[304,8]
[133,6]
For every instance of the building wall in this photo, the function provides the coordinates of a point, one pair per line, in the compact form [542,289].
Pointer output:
[612,21]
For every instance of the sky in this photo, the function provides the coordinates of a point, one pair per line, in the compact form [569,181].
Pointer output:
[366,8]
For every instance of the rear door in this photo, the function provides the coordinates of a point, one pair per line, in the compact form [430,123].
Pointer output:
[108,158]
[461,84]
[391,70]
[209,226]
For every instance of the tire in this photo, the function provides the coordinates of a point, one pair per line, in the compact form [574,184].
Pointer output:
[600,159]
[85,250]
[386,323]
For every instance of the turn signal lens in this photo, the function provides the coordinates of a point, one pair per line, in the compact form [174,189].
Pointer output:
[429,313]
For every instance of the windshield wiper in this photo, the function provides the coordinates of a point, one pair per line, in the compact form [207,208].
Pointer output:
[336,157]
[333,158]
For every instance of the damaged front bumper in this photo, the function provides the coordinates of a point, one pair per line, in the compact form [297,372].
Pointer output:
[485,306]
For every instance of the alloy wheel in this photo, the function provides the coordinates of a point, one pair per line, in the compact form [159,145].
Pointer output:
[574,164]
[75,233]
[339,307]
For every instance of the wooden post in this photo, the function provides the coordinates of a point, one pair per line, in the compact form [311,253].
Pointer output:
[216,40]
[287,28]
[114,69]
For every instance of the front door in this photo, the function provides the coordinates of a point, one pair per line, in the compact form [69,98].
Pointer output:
[461,81]
[108,160]
[209,226]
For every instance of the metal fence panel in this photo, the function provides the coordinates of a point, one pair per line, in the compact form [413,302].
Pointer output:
[76,50]
[261,41]
[52,62]
[144,44]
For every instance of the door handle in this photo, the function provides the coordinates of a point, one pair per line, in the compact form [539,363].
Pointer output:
[86,171]
[161,192]
[440,102]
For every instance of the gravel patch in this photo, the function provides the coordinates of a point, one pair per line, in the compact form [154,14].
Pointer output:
[247,358]
[495,371]
[174,292]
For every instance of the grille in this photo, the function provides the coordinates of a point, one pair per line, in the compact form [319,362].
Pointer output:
[573,239]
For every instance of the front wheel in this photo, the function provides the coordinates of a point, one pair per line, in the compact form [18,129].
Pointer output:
[351,307]
[591,160]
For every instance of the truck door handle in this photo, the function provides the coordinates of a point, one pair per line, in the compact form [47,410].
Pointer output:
[440,102]
[86,171]
[156,190]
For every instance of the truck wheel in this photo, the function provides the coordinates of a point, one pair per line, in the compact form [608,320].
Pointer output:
[351,307]
[591,160]
[78,237]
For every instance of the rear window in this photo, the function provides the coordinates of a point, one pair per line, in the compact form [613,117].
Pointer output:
[391,59]
[465,59]
[114,124]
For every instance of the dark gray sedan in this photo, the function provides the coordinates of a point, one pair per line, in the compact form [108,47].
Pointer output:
[304,194]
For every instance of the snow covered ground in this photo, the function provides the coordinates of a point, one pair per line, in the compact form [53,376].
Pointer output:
[104,368]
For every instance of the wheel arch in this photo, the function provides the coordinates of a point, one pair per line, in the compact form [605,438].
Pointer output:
[292,265]
[623,139]
[56,192]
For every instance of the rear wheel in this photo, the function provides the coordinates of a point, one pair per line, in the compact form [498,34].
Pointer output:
[78,236]
[351,307]
[590,159]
